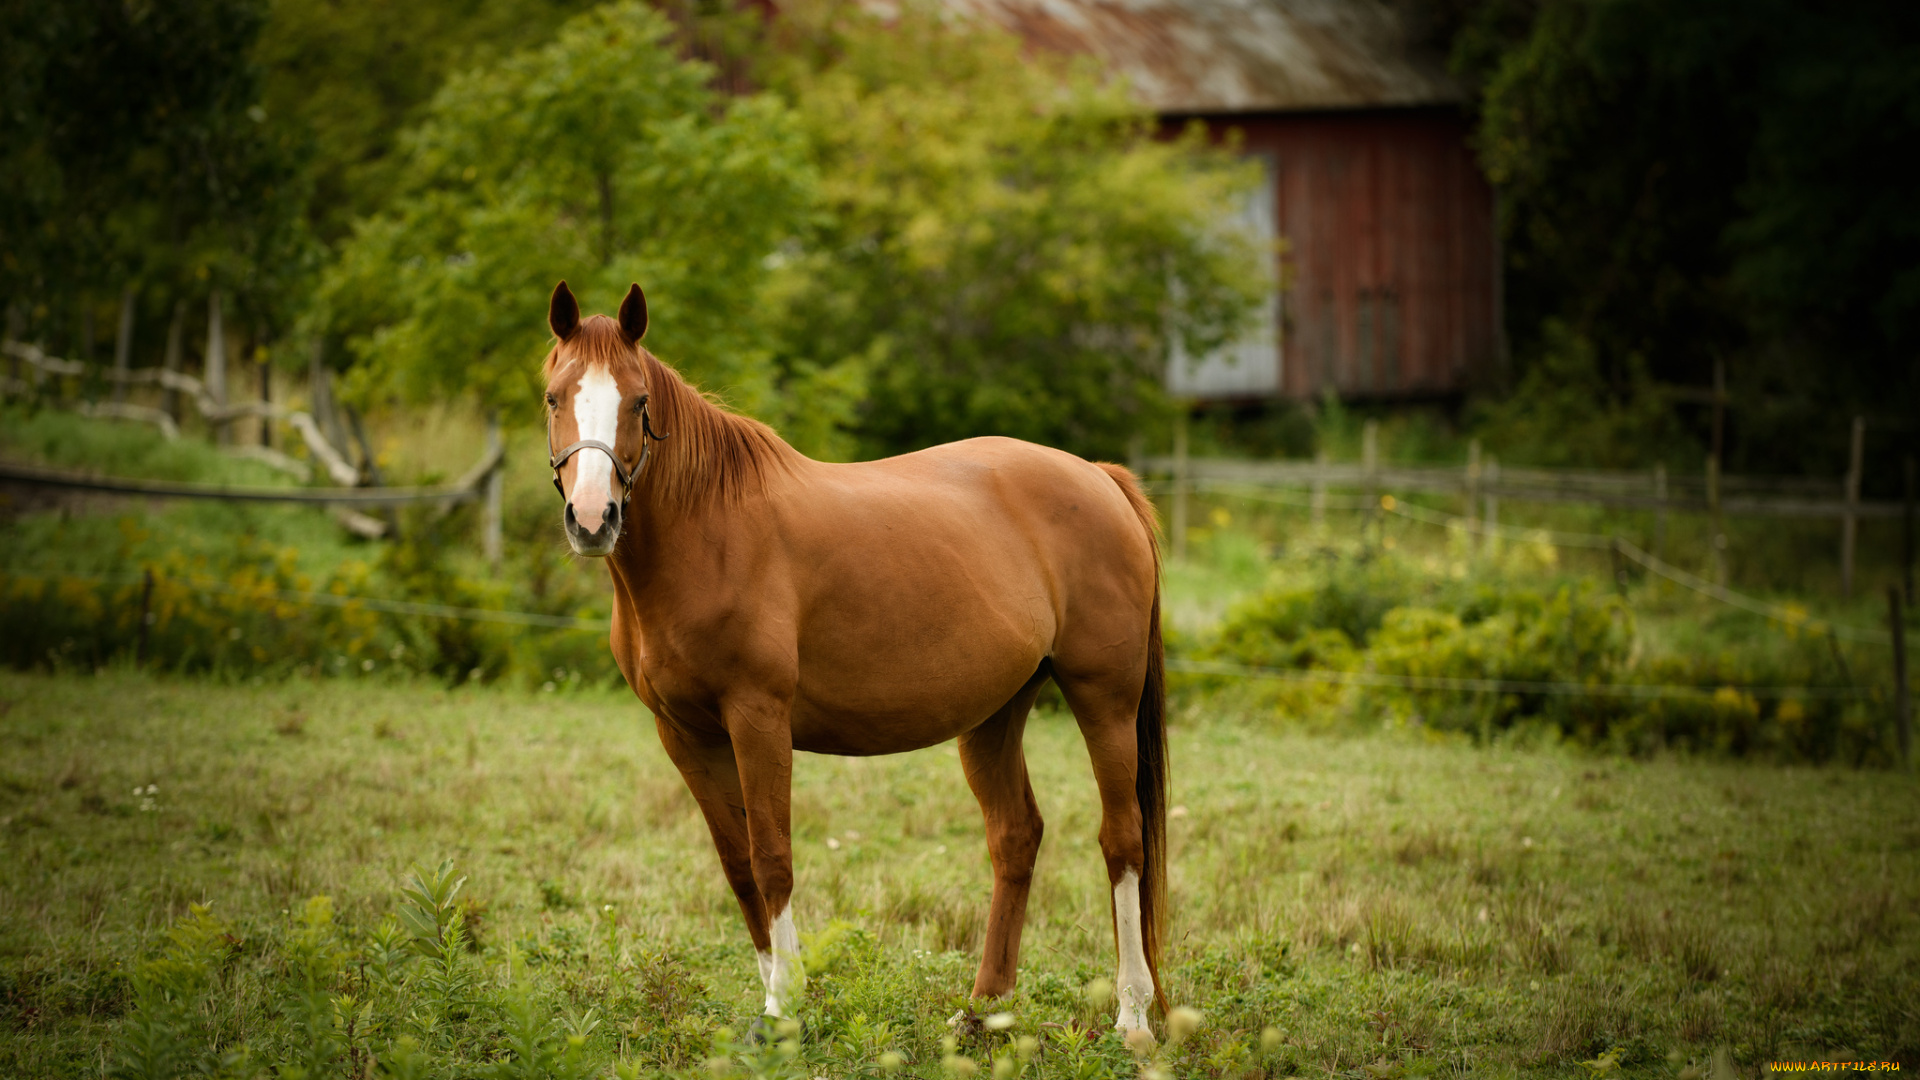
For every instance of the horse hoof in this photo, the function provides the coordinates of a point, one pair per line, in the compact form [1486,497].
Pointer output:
[1139,1040]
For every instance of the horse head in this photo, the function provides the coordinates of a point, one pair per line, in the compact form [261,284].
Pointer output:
[598,431]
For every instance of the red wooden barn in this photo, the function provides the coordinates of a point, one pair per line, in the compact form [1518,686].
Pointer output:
[1391,257]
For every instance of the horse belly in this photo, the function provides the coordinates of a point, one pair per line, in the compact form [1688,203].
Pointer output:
[924,665]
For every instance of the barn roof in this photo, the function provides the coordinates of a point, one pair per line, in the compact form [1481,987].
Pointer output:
[1220,56]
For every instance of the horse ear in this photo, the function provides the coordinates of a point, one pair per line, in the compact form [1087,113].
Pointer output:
[633,315]
[563,314]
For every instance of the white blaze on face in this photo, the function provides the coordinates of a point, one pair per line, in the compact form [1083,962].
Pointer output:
[596,409]
[779,966]
[1135,983]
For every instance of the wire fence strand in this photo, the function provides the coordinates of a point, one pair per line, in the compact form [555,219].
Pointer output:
[1503,686]
[341,600]
[1790,617]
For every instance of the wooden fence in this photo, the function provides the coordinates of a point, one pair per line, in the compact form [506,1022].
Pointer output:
[1482,484]
[481,481]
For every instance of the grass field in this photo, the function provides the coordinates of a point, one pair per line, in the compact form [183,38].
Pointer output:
[1387,905]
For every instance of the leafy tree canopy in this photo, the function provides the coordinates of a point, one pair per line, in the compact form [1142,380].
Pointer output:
[132,147]
[600,158]
[346,77]
[1721,179]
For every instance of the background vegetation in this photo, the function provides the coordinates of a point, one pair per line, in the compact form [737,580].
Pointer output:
[879,237]
[1688,183]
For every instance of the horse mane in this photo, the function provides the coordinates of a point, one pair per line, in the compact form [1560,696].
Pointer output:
[709,452]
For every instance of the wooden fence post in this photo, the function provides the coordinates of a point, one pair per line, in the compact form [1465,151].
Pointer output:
[123,343]
[16,329]
[1473,496]
[1180,485]
[216,365]
[1849,522]
[1660,512]
[1319,488]
[1717,538]
[1906,535]
[1370,464]
[170,398]
[1902,702]
[266,394]
[491,538]
[1492,516]
[146,617]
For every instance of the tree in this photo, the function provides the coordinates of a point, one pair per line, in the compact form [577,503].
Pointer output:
[1712,181]
[599,158]
[346,77]
[1004,245]
[134,148]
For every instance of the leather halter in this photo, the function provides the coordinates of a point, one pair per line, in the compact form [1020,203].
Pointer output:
[627,476]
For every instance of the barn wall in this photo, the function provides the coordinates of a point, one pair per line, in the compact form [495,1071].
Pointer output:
[1391,251]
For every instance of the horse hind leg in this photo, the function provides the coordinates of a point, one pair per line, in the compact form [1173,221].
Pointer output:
[996,767]
[1106,708]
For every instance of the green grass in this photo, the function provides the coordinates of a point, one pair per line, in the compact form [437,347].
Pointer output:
[1417,906]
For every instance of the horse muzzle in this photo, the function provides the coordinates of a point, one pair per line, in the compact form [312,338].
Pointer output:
[594,534]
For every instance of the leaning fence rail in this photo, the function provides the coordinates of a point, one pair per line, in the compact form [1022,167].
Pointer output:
[471,485]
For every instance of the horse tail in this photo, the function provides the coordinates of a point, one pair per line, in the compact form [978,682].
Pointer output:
[1150,729]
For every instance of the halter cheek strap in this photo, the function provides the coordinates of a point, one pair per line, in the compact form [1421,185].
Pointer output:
[627,476]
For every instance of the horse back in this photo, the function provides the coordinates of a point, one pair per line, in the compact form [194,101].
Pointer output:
[928,588]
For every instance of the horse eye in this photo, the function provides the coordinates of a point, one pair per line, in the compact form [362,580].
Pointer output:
[551,402]
[638,404]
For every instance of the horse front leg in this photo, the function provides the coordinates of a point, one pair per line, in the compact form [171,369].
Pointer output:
[712,775]
[762,734]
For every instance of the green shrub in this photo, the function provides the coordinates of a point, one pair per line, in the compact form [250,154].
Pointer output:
[221,608]
[1376,613]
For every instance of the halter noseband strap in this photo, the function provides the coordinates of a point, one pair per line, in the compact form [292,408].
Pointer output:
[627,476]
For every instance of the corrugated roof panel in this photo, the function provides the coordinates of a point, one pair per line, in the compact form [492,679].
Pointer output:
[1228,56]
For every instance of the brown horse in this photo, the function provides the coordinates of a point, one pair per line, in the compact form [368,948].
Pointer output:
[766,603]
